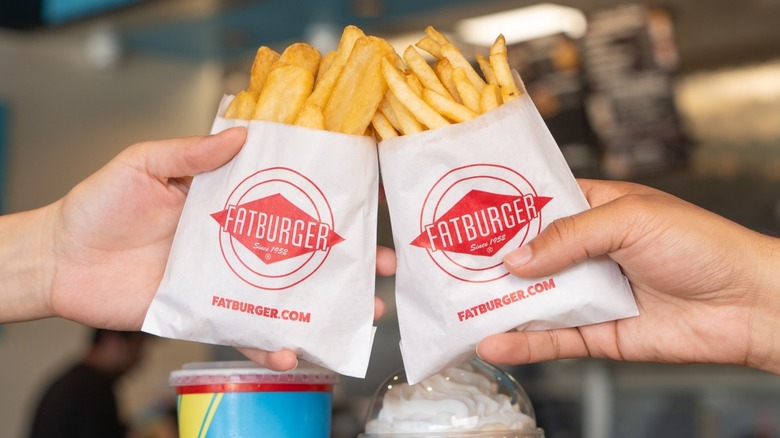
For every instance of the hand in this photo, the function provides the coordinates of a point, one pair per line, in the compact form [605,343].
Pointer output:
[98,255]
[111,234]
[705,286]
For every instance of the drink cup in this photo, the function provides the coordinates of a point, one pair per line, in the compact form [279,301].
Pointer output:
[242,399]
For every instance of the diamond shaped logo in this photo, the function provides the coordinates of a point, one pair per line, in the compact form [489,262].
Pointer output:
[275,229]
[480,223]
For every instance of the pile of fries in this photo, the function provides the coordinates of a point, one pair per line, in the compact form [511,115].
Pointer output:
[365,88]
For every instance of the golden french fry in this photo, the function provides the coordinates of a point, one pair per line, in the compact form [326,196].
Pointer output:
[285,90]
[421,110]
[407,120]
[261,66]
[324,89]
[457,60]
[415,84]
[242,106]
[468,93]
[500,64]
[303,55]
[383,128]
[325,63]
[310,116]
[420,67]
[349,36]
[387,111]
[436,35]
[448,107]
[430,46]
[443,70]
[491,98]
[360,87]
[487,70]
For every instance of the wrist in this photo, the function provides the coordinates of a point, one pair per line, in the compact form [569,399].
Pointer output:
[764,351]
[26,265]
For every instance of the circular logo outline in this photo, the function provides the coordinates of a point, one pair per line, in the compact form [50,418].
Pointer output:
[320,206]
[472,173]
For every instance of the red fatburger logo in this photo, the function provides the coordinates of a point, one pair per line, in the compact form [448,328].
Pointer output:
[276,229]
[475,214]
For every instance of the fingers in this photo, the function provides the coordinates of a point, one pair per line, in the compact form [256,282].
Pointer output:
[385,261]
[515,348]
[283,360]
[182,157]
[379,308]
[603,229]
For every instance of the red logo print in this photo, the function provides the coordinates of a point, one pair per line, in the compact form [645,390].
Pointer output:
[474,215]
[275,222]
[275,229]
[481,223]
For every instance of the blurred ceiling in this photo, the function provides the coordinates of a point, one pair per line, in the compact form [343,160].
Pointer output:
[710,33]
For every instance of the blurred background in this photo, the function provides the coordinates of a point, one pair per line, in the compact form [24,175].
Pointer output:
[683,96]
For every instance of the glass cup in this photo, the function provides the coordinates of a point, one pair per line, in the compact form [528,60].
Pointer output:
[474,400]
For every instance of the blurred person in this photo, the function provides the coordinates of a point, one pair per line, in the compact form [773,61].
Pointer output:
[708,289]
[82,403]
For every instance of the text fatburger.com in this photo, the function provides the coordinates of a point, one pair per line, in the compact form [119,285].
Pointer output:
[266,312]
[506,300]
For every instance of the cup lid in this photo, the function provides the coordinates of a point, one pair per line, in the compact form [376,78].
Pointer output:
[238,372]
[472,399]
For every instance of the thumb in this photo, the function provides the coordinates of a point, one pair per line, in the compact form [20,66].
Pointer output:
[181,157]
[569,240]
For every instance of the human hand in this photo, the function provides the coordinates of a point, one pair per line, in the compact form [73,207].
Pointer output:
[705,286]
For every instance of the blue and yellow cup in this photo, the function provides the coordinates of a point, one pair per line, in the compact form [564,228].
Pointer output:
[242,399]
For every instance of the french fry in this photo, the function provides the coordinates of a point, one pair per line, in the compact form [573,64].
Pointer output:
[420,67]
[407,121]
[285,90]
[387,111]
[491,98]
[360,87]
[430,46]
[448,107]
[415,84]
[457,60]
[303,55]
[500,64]
[324,89]
[310,116]
[327,82]
[383,128]
[242,106]
[261,66]
[325,63]
[421,110]
[436,35]
[487,70]
[443,70]
[349,36]
[467,91]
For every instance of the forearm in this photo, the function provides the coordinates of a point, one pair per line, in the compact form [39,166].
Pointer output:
[26,265]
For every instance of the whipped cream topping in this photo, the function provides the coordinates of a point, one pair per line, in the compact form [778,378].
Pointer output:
[457,399]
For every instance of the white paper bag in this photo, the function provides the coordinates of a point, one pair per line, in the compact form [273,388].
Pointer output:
[276,249]
[460,198]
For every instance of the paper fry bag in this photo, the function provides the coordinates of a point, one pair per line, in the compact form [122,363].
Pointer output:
[276,249]
[460,198]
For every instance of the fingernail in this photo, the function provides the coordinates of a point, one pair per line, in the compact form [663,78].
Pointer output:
[518,257]
[476,351]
